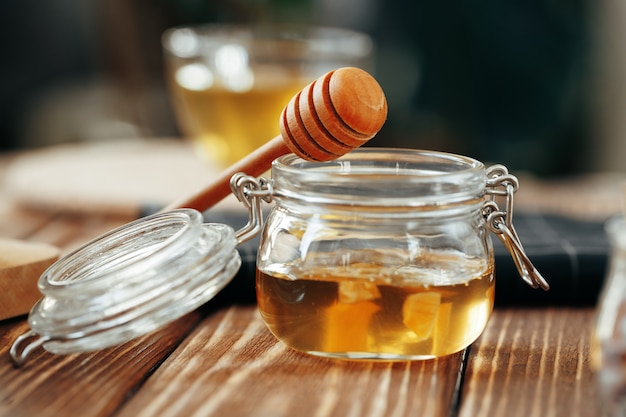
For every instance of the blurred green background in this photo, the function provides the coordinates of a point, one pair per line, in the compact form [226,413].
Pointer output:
[503,81]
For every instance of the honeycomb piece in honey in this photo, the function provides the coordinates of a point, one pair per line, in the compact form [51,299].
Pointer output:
[355,291]
[420,313]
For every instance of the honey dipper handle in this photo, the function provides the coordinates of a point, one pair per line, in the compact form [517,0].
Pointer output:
[253,164]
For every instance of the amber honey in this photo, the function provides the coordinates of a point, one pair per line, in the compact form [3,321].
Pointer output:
[372,312]
[226,124]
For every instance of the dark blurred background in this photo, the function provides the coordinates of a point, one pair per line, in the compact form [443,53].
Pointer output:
[502,81]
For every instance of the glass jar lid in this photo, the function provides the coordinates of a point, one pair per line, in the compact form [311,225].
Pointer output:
[130,282]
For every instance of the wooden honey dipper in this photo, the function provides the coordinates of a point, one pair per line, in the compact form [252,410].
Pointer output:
[333,115]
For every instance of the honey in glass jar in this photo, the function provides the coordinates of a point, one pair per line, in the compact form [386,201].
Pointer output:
[382,254]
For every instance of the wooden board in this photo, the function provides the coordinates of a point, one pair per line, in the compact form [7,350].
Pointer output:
[21,265]
[532,362]
[231,365]
[88,384]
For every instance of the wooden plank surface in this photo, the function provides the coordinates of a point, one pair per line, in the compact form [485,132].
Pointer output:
[88,384]
[532,362]
[232,366]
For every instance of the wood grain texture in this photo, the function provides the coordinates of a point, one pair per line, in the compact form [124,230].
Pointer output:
[232,366]
[530,363]
[89,384]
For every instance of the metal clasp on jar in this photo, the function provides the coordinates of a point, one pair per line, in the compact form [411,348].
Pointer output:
[502,184]
[251,191]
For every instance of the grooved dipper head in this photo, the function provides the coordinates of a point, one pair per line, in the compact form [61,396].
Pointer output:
[333,115]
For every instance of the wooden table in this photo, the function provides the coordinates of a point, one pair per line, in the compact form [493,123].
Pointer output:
[222,361]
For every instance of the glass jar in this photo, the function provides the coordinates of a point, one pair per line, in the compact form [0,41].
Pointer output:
[382,254]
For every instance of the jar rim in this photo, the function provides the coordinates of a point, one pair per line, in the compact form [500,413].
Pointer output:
[382,176]
[122,248]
